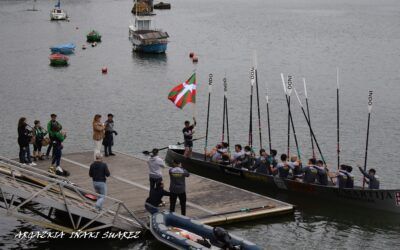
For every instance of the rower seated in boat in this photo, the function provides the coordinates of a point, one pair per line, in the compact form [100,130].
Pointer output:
[215,154]
[297,168]
[246,160]
[344,178]
[370,178]
[322,174]
[310,171]
[262,163]
[237,154]
[283,167]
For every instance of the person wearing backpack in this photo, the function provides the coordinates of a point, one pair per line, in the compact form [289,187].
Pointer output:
[51,126]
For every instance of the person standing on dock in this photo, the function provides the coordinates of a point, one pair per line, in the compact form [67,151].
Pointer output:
[39,134]
[53,123]
[188,132]
[24,138]
[108,140]
[99,173]
[58,138]
[177,186]
[155,164]
[98,134]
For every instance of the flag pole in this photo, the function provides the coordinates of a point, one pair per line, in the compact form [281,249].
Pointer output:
[258,99]
[309,118]
[366,146]
[288,91]
[210,76]
[269,125]
[252,81]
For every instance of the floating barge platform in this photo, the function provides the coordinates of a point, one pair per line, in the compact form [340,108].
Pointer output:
[208,201]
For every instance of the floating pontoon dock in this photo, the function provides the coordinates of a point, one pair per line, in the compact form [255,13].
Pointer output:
[209,201]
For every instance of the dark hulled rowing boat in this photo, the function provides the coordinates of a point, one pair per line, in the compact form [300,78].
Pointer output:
[382,199]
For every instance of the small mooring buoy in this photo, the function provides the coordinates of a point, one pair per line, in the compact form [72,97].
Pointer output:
[191,54]
[104,70]
[77,28]
[94,44]
[195,59]
[84,46]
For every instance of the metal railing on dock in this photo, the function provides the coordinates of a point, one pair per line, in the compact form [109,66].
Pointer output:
[47,195]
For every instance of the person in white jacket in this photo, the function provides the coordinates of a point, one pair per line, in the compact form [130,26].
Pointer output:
[156,164]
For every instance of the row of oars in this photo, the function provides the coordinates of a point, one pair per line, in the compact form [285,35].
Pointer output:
[288,88]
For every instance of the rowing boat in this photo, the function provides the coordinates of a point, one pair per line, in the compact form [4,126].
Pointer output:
[377,199]
[181,232]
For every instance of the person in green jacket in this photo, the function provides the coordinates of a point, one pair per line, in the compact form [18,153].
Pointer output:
[39,134]
[58,137]
[53,123]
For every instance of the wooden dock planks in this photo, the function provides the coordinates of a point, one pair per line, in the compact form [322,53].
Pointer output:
[129,183]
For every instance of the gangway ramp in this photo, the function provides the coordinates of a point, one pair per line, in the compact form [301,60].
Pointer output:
[27,188]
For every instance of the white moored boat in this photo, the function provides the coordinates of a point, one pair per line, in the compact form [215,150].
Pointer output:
[57,13]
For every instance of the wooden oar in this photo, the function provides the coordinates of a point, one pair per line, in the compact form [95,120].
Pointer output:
[337,118]
[309,117]
[258,100]
[242,210]
[178,143]
[366,146]
[252,81]
[210,76]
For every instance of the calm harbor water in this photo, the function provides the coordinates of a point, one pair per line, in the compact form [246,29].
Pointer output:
[304,38]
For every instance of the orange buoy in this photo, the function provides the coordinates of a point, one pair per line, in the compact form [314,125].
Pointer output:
[195,59]
[84,46]
[191,54]
[104,70]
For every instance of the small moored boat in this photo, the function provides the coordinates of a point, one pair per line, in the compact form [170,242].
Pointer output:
[93,36]
[162,6]
[58,60]
[387,200]
[147,40]
[57,13]
[181,232]
[65,49]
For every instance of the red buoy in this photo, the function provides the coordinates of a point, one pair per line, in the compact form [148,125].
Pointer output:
[195,59]
[104,70]
[191,54]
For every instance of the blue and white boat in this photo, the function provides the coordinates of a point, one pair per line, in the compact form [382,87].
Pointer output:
[147,40]
[65,49]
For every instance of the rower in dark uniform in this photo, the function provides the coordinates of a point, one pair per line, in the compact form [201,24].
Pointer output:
[350,177]
[283,167]
[188,132]
[371,179]
[262,163]
[322,175]
[342,177]
[310,171]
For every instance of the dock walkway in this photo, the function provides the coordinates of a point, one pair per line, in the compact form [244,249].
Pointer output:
[209,201]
